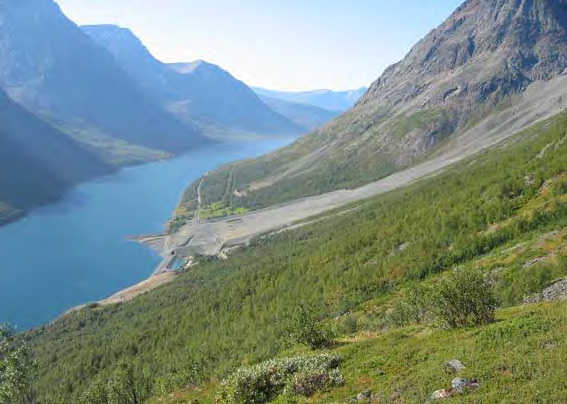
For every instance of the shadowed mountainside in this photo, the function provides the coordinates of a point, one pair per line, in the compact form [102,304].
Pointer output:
[48,65]
[37,163]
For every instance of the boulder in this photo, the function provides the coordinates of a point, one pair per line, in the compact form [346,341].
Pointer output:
[460,385]
[445,393]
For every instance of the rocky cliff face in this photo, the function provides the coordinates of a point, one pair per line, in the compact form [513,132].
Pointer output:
[485,51]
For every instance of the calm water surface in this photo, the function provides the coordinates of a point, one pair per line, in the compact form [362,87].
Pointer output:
[77,251]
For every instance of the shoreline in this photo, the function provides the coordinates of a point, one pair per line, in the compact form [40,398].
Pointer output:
[145,286]
[159,277]
[144,264]
[125,295]
[155,242]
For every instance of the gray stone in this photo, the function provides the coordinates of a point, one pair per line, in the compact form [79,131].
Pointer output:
[557,291]
[363,396]
[440,394]
[460,384]
[455,365]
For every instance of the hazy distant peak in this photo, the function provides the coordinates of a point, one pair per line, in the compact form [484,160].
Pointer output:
[185,68]
[322,98]
[192,67]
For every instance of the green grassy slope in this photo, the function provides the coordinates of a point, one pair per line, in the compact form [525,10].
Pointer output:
[497,211]
[519,359]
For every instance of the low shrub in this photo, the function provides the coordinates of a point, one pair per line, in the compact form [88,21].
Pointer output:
[264,382]
[464,298]
[413,308]
[306,330]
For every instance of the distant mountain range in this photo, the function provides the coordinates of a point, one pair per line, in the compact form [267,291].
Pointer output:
[325,99]
[307,116]
[197,92]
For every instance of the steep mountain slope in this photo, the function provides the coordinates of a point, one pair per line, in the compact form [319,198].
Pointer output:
[48,65]
[37,163]
[304,115]
[504,211]
[326,99]
[198,92]
[491,63]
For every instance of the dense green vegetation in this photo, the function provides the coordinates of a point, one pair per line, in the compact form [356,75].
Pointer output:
[520,359]
[16,368]
[496,212]
[306,330]
[462,299]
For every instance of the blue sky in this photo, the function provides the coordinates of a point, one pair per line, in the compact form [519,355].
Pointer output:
[280,44]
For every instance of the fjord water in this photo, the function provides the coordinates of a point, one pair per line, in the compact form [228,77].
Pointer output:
[76,251]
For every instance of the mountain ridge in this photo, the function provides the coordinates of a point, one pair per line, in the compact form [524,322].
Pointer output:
[473,69]
[198,92]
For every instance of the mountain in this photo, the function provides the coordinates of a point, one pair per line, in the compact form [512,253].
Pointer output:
[304,115]
[48,65]
[37,162]
[325,99]
[198,92]
[491,69]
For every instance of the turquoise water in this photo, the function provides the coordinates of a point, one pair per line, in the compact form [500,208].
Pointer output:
[178,264]
[77,251]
